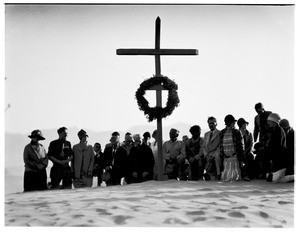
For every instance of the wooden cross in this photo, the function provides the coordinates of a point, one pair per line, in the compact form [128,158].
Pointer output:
[157,52]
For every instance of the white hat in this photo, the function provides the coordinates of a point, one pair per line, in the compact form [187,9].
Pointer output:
[274,118]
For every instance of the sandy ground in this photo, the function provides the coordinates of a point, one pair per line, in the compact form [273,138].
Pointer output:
[157,204]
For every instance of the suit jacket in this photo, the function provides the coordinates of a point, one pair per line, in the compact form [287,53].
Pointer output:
[211,145]
[83,160]
[118,159]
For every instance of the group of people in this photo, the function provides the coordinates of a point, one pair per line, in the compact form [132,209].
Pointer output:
[228,155]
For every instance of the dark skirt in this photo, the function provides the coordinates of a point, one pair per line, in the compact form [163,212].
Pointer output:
[35,180]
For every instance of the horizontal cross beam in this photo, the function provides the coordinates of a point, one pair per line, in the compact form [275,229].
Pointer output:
[148,52]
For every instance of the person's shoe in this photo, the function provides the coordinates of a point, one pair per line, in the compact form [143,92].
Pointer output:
[246,178]
[218,177]
[270,177]
[206,177]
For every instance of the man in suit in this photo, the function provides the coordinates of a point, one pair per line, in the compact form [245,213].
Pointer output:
[211,150]
[60,153]
[83,162]
[141,161]
[261,128]
[116,161]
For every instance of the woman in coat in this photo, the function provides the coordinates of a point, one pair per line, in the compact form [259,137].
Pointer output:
[36,161]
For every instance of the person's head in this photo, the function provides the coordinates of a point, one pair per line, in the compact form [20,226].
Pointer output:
[185,138]
[36,135]
[116,136]
[273,120]
[195,131]
[136,139]
[82,135]
[62,133]
[242,123]
[173,134]
[258,148]
[229,121]
[97,147]
[284,123]
[146,136]
[128,138]
[212,123]
[154,134]
[259,108]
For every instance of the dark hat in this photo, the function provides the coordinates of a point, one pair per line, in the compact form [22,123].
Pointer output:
[36,134]
[82,133]
[241,122]
[229,119]
[284,123]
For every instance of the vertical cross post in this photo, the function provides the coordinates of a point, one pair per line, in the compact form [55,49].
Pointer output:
[158,102]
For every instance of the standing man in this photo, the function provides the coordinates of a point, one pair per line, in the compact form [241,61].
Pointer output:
[174,156]
[98,163]
[141,161]
[232,149]
[194,153]
[260,124]
[211,150]
[83,162]
[60,153]
[116,164]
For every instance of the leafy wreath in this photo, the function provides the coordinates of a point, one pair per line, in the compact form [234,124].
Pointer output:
[153,113]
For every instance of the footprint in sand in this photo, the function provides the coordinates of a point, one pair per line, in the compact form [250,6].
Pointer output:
[223,210]
[175,221]
[219,218]
[102,212]
[78,216]
[236,214]
[195,213]
[240,207]
[263,214]
[120,219]
[284,202]
[199,219]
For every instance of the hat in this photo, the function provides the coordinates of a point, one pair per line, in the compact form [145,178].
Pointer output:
[229,119]
[147,135]
[36,134]
[284,123]
[241,122]
[82,133]
[274,118]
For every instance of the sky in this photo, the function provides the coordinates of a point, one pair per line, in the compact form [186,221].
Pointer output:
[61,66]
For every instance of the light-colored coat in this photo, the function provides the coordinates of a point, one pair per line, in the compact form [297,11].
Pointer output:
[86,153]
[213,146]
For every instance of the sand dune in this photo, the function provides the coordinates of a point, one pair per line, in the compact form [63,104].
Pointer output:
[164,204]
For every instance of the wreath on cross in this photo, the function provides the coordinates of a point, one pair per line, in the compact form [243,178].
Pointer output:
[153,113]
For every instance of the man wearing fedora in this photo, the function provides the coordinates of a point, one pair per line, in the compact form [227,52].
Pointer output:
[60,153]
[36,161]
[83,162]
[231,149]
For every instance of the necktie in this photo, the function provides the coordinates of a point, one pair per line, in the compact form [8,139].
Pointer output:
[211,135]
